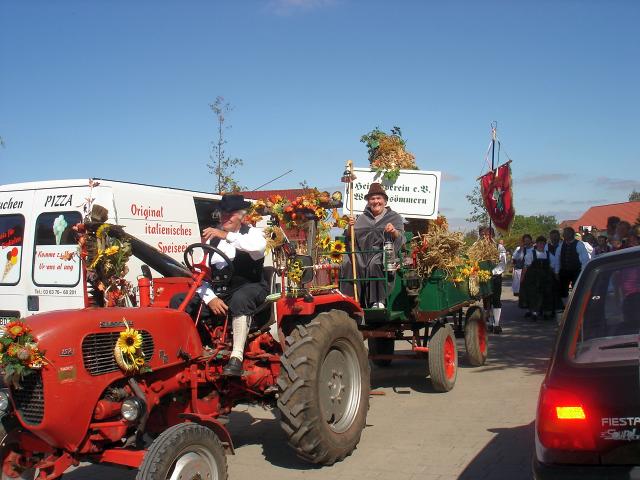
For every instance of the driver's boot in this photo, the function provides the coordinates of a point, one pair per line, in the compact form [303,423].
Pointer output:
[240,330]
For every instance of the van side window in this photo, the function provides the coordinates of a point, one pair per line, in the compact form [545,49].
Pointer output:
[206,209]
[11,239]
[55,261]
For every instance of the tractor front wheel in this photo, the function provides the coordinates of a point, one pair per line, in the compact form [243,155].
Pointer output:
[443,358]
[475,337]
[185,451]
[324,388]
[381,346]
[10,468]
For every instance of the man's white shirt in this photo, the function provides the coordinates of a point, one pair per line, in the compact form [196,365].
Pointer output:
[252,242]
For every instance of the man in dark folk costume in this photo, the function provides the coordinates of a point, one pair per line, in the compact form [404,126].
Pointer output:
[495,301]
[570,258]
[537,290]
[375,227]
[245,246]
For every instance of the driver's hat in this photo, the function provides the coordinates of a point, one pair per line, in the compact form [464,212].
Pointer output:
[232,202]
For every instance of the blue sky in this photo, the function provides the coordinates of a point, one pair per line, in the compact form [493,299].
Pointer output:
[121,89]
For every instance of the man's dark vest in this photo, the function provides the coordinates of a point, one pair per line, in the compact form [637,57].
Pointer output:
[569,259]
[246,269]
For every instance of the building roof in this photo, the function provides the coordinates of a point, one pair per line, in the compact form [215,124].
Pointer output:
[597,216]
[289,194]
[566,223]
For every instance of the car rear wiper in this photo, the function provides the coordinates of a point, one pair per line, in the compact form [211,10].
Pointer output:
[620,345]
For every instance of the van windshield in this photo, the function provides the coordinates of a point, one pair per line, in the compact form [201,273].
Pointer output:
[609,325]
[11,239]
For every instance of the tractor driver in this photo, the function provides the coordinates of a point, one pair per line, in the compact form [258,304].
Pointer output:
[245,246]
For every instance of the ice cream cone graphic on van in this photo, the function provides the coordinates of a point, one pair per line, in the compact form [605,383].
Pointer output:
[12,259]
[59,226]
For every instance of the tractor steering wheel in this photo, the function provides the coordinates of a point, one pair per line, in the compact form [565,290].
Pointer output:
[218,278]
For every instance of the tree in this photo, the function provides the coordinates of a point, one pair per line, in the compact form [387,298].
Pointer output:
[478,213]
[222,166]
[534,225]
[634,196]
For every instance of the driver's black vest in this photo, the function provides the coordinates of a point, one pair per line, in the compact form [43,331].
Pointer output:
[246,269]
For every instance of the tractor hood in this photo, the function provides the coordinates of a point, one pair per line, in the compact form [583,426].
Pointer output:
[57,402]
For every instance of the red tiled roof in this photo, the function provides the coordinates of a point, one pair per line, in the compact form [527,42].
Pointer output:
[597,216]
[289,194]
[565,223]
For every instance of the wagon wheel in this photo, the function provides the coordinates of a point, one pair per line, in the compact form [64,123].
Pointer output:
[185,451]
[381,346]
[443,358]
[475,336]
[324,387]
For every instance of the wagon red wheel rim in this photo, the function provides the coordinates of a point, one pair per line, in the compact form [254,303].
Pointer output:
[449,358]
[482,336]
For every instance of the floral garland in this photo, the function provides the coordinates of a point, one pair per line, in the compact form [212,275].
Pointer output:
[128,351]
[313,205]
[19,353]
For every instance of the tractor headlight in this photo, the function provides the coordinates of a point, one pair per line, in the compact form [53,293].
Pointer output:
[131,409]
[5,403]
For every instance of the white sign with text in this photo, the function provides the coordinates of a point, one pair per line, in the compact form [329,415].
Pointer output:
[415,193]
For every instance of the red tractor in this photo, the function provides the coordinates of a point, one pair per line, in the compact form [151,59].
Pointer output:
[304,356]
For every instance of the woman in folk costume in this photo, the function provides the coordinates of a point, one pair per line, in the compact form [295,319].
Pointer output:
[377,224]
[537,289]
[518,262]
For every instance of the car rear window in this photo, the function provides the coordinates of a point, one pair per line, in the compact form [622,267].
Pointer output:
[11,239]
[608,325]
[55,261]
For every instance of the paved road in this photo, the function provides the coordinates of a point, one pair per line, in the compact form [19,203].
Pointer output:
[482,429]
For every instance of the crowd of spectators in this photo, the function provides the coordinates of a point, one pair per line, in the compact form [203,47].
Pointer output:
[545,270]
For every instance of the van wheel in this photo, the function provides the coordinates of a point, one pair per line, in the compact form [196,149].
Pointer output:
[185,451]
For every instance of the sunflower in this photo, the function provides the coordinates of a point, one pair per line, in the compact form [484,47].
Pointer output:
[338,246]
[321,213]
[129,341]
[102,230]
[112,250]
[139,362]
[325,242]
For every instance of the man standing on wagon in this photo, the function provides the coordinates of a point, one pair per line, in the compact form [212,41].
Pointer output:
[377,225]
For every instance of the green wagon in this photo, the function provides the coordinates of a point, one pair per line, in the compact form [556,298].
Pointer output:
[434,310]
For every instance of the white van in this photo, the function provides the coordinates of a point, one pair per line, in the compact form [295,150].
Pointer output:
[36,221]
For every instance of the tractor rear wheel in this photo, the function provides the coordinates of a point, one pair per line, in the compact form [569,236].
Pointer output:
[185,451]
[324,388]
[475,337]
[443,358]
[381,346]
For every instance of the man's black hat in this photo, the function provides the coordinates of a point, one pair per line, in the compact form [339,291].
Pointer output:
[232,202]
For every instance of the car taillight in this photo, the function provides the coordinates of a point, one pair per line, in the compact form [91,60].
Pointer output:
[563,422]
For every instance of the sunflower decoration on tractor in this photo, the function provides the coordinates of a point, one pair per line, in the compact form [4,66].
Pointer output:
[105,251]
[19,353]
[128,352]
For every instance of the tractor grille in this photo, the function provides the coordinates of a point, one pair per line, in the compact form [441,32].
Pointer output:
[97,351]
[29,399]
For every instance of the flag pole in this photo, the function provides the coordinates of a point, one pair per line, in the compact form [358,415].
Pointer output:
[494,126]
[349,177]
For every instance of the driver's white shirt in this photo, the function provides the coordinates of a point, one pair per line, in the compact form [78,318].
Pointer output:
[252,242]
